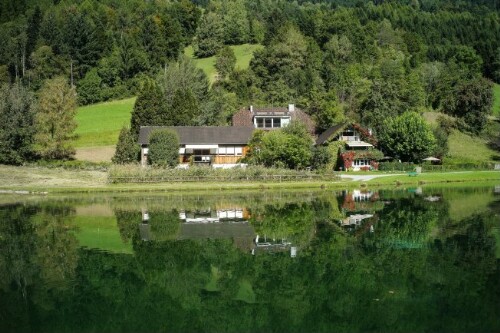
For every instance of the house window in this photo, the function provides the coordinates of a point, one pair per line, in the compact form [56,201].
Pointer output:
[260,122]
[235,150]
[271,122]
[362,162]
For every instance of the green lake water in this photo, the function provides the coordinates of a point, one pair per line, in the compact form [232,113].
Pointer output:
[407,260]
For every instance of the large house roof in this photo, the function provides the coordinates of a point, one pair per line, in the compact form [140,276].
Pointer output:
[202,134]
[326,135]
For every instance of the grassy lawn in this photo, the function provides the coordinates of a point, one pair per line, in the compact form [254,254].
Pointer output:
[496,100]
[465,148]
[458,178]
[100,124]
[243,53]
[59,180]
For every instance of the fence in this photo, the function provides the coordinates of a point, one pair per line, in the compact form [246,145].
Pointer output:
[229,178]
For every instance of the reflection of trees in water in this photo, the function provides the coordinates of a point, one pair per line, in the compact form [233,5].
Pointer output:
[38,257]
[337,283]
[292,221]
[407,223]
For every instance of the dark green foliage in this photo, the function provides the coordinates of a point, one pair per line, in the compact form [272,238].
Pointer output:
[441,136]
[33,30]
[321,157]
[17,116]
[89,88]
[184,110]
[471,102]
[219,108]
[84,41]
[364,61]
[127,149]
[148,108]
[209,36]
[225,61]
[164,148]
[161,39]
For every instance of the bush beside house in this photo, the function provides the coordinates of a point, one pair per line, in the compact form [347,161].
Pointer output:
[164,148]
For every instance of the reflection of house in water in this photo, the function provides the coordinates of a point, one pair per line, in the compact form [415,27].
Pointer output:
[432,198]
[210,224]
[359,200]
[355,221]
[145,227]
[211,216]
[264,244]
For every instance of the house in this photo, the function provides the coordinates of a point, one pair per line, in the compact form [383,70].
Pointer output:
[218,146]
[267,118]
[356,153]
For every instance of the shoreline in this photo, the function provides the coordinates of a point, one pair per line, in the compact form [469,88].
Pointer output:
[45,181]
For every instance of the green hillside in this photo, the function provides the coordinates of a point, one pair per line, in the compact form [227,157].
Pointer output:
[100,124]
[468,149]
[243,53]
[496,99]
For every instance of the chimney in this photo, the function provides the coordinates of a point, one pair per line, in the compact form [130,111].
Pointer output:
[291,107]
[251,108]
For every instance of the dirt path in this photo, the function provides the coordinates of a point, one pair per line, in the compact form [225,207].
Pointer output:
[95,154]
[366,178]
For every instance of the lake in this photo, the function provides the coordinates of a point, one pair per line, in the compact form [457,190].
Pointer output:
[405,260]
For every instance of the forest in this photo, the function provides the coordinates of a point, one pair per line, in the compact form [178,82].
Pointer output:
[363,61]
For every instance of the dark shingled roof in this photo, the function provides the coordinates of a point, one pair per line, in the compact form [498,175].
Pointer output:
[326,135]
[202,134]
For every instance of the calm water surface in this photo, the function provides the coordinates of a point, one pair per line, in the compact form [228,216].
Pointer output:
[412,260]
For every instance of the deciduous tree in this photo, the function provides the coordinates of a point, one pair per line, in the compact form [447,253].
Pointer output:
[407,137]
[55,119]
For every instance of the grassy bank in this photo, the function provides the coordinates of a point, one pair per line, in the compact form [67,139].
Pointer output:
[100,124]
[60,180]
[464,148]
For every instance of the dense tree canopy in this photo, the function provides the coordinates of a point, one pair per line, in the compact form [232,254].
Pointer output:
[336,59]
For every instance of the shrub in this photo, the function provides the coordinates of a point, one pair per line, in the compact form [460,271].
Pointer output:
[127,150]
[164,148]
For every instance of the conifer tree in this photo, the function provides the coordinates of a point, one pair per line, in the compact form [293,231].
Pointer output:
[127,149]
[17,114]
[147,108]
